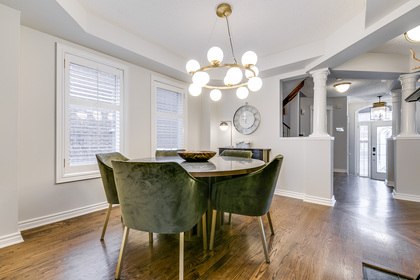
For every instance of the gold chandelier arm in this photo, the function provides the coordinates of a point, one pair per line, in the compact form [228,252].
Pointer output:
[413,56]
[247,67]
[408,39]
[226,87]
[230,40]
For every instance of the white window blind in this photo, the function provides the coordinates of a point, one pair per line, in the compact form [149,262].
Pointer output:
[89,112]
[169,119]
[94,127]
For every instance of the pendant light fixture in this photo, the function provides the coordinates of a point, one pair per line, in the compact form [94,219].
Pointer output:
[379,111]
[243,77]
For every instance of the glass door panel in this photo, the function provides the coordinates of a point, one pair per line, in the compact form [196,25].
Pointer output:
[380,134]
[364,150]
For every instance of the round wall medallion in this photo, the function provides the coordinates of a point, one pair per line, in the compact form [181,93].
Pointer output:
[246,119]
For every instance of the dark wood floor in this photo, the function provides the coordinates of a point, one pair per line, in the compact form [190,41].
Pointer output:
[311,242]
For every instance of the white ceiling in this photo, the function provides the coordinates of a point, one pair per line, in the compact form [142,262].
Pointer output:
[267,27]
[287,35]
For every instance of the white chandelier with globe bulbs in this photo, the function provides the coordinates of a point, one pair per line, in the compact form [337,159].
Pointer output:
[234,77]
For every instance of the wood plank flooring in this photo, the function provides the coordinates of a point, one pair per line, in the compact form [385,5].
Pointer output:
[311,242]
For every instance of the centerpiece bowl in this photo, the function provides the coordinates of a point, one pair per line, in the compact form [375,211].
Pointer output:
[196,156]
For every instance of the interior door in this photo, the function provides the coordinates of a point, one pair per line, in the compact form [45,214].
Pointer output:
[380,132]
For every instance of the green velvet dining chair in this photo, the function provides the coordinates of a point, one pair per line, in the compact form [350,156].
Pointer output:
[160,197]
[167,153]
[107,175]
[248,195]
[236,153]
[108,181]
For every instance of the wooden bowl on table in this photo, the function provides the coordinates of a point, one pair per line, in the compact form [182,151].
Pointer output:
[196,156]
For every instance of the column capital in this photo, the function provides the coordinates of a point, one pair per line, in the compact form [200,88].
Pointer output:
[323,71]
[396,94]
[408,77]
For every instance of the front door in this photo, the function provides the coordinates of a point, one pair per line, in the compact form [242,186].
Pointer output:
[380,132]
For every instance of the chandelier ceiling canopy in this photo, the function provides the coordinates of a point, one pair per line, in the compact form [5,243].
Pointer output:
[242,77]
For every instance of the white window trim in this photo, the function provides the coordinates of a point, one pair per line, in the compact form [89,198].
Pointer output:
[61,51]
[174,86]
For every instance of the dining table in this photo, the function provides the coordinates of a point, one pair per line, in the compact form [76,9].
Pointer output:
[216,168]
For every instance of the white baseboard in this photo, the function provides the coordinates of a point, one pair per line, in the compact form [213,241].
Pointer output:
[289,194]
[36,222]
[306,198]
[10,239]
[403,196]
[320,200]
[340,170]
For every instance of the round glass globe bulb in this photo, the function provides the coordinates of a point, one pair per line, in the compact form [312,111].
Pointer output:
[192,66]
[249,58]
[215,95]
[201,78]
[224,126]
[242,92]
[249,74]
[195,90]
[255,84]
[414,34]
[228,81]
[215,55]
[235,75]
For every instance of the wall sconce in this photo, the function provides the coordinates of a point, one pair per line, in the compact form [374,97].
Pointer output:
[224,126]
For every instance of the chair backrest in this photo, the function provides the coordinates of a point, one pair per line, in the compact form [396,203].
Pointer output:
[167,153]
[107,174]
[159,197]
[250,194]
[237,153]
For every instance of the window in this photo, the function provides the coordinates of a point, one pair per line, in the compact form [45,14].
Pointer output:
[89,112]
[168,115]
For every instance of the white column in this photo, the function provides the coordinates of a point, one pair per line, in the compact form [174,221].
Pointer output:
[408,109]
[320,103]
[396,112]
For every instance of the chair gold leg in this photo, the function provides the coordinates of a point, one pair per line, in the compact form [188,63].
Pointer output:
[204,232]
[199,228]
[230,218]
[271,224]
[213,228]
[181,256]
[106,221]
[120,259]
[262,234]
[150,237]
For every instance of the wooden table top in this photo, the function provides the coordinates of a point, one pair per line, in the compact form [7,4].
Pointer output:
[216,166]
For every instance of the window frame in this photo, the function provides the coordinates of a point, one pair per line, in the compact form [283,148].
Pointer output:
[172,85]
[64,173]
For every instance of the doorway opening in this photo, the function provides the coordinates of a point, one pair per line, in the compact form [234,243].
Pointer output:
[371,141]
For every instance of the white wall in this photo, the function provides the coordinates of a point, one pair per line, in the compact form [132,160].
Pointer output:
[407,162]
[339,119]
[303,156]
[9,94]
[32,117]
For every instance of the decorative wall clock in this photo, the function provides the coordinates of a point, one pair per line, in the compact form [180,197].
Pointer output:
[246,119]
